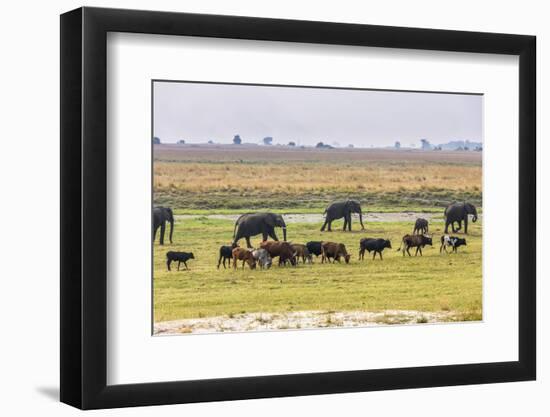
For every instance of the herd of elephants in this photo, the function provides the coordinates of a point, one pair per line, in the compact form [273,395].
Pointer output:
[253,224]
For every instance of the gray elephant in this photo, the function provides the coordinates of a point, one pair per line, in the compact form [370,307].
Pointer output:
[161,215]
[340,209]
[458,212]
[253,224]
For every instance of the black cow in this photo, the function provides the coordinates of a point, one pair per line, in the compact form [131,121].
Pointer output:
[226,253]
[314,247]
[178,256]
[414,241]
[452,241]
[370,245]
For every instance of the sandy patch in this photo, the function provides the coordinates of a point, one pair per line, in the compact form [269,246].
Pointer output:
[319,218]
[298,320]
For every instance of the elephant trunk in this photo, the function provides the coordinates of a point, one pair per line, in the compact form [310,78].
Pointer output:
[361,219]
[284,234]
[474,219]
[171,228]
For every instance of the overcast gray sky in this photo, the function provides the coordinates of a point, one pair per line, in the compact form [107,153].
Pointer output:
[198,113]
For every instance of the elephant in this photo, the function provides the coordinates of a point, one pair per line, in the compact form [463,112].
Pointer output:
[457,212]
[252,224]
[340,209]
[161,215]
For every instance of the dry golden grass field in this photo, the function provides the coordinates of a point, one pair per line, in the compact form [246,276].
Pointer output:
[232,177]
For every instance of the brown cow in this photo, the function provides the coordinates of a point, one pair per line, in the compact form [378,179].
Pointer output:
[414,241]
[302,252]
[283,250]
[244,255]
[335,251]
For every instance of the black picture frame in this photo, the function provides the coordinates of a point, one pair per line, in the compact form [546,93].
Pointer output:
[84,207]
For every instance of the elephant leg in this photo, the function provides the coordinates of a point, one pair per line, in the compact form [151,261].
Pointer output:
[220,261]
[155,228]
[466,225]
[459,225]
[420,250]
[324,225]
[264,236]
[374,256]
[162,229]
[168,262]
[272,234]
[349,222]
[179,262]
[360,253]
[446,226]
[234,262]
[248,245]
[185,263]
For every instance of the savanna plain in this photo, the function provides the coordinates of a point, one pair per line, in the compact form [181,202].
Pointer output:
[209,186]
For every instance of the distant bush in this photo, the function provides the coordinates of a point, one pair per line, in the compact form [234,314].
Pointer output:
[181,142]
[291,143]
[156,141]
[237,140]
[322,145]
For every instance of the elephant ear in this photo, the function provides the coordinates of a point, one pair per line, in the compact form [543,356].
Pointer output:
[270,220]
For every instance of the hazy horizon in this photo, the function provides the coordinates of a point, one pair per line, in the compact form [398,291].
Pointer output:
[197,113]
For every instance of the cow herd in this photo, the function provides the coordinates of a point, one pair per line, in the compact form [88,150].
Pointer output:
[290,253]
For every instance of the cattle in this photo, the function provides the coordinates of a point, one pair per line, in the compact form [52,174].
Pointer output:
[283,250]
[226,253]
[244,255]
[373,245]
[335,251]
[420,227]
[302,252]
[263,258]
[451,241]
[414,241]
[179,257]
[314,247]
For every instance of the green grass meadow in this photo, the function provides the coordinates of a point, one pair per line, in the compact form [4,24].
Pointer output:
[434,282]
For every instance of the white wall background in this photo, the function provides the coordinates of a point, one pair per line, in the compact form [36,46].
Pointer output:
[29,176]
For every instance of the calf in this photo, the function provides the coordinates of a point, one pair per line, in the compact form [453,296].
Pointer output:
[263,258]
[414,241]
[452,241]
[314,247]
[178,256]
[226,253]
[244,255]
[283,250]
[335,251]
[373,245]
[302,252]
[420,227]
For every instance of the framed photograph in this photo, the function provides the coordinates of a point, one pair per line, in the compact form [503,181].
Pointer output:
[258,208]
